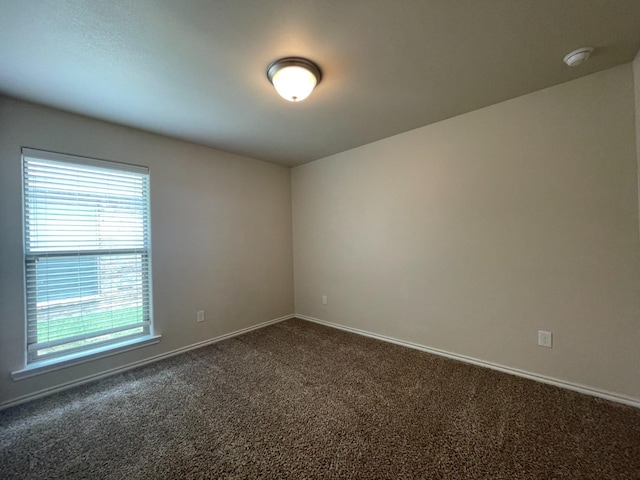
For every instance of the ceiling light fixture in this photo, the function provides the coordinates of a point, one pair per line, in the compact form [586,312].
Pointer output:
[294,78]
[575,58]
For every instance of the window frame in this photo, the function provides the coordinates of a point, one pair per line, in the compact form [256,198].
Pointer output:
[34,364]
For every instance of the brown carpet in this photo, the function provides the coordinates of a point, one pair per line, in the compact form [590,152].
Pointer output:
[297,400]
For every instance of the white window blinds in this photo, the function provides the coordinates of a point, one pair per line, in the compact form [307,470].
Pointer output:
[87,253]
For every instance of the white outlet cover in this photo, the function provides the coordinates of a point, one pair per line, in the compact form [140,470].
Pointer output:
[200,316]
[545,339]
[324,299]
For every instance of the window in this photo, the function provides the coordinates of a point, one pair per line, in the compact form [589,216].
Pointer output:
[87,254]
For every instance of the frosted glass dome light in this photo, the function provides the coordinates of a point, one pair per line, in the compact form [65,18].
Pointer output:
[294,78]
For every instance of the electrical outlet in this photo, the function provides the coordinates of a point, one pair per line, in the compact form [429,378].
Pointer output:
[324,299]
[200,316]
[545,339]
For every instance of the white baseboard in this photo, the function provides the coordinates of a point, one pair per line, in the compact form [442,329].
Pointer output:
[124,368]
[614,397]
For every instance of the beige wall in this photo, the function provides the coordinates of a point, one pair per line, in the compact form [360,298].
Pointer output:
[221,234]
[636,82]
[472,234]
[468,235]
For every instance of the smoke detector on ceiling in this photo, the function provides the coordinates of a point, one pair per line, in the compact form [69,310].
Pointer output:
[575,58]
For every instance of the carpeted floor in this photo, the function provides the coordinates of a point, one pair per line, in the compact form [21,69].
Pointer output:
[298,400]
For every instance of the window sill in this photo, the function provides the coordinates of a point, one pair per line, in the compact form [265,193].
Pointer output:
[46,366]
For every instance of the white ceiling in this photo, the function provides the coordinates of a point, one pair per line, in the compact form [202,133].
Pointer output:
[195,69]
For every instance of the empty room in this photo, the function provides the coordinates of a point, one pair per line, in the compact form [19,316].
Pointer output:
[320,239]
